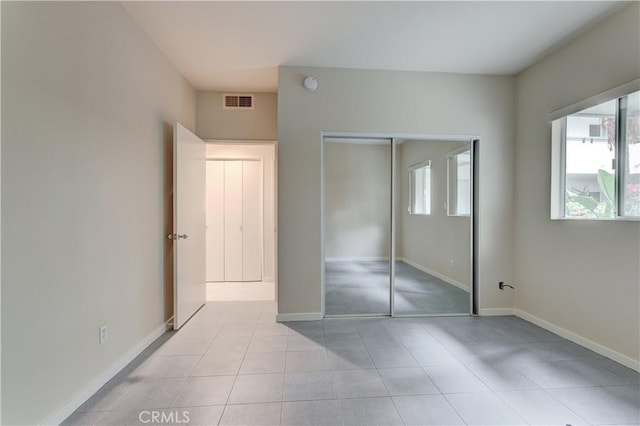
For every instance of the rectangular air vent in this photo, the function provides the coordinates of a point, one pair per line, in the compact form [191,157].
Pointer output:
[238,101]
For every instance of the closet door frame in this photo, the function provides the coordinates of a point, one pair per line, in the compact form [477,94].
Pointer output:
[474,144]
[260,160]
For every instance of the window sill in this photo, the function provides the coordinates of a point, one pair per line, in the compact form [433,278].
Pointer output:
[598,219]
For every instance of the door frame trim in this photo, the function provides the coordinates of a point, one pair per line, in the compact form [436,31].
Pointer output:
[274,188]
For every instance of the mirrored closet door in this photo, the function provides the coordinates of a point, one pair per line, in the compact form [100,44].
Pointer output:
[357,226]
[397,226]
[432,273]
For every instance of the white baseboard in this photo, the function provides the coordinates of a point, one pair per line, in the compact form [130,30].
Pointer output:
[356,259]
[582,341]
[81,397]
[495,312]
[312,316]
[435,274]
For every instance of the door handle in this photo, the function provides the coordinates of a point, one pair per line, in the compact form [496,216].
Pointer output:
[177,236]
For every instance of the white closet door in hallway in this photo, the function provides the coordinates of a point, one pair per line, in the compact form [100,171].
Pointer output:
[215,221]
[232,207]
[251,221]
[234,220]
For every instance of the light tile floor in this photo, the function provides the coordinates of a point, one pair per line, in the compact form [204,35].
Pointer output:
[232,364]
[245,291]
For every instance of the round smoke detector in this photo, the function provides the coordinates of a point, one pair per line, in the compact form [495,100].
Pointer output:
[310,83]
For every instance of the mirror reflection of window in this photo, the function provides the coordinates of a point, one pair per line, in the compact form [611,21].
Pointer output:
[459,182]
[420,189]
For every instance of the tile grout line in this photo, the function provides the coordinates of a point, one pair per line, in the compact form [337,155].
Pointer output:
[184,384]
[235,380]
[537,390]
[246,351]
[496,392]
[284,377]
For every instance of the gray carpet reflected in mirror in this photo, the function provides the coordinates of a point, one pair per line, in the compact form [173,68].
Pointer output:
[362,287]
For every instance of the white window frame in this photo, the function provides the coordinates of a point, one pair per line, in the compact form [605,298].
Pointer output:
[450,155]
[557,120]
[425,164]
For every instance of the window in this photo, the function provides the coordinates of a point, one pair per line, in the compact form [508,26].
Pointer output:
[630,174]
[596,155]
[459,182]
[420,189]
[590,156]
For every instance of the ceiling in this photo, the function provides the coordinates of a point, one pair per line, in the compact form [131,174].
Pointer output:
[239,45]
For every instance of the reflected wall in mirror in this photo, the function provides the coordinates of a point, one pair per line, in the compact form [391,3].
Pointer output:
[433,251]
[357,226]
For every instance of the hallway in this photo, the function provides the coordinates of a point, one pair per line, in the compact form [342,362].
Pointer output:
[233,364]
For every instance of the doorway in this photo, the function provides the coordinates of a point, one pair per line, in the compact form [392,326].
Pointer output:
[234,220]
[240,242]
[398,234]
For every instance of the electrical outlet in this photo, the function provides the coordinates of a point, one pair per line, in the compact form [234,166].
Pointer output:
[103,334]
[451,263]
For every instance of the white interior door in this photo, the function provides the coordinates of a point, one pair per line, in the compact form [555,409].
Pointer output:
[233,220]
[251,221]
[215,220]
[189,224]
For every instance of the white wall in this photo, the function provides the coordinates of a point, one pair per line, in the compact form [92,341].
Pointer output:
[581,276]
[215,122]
[357,201]
[266,152]
[87,107]
[388,102]
[431,241]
